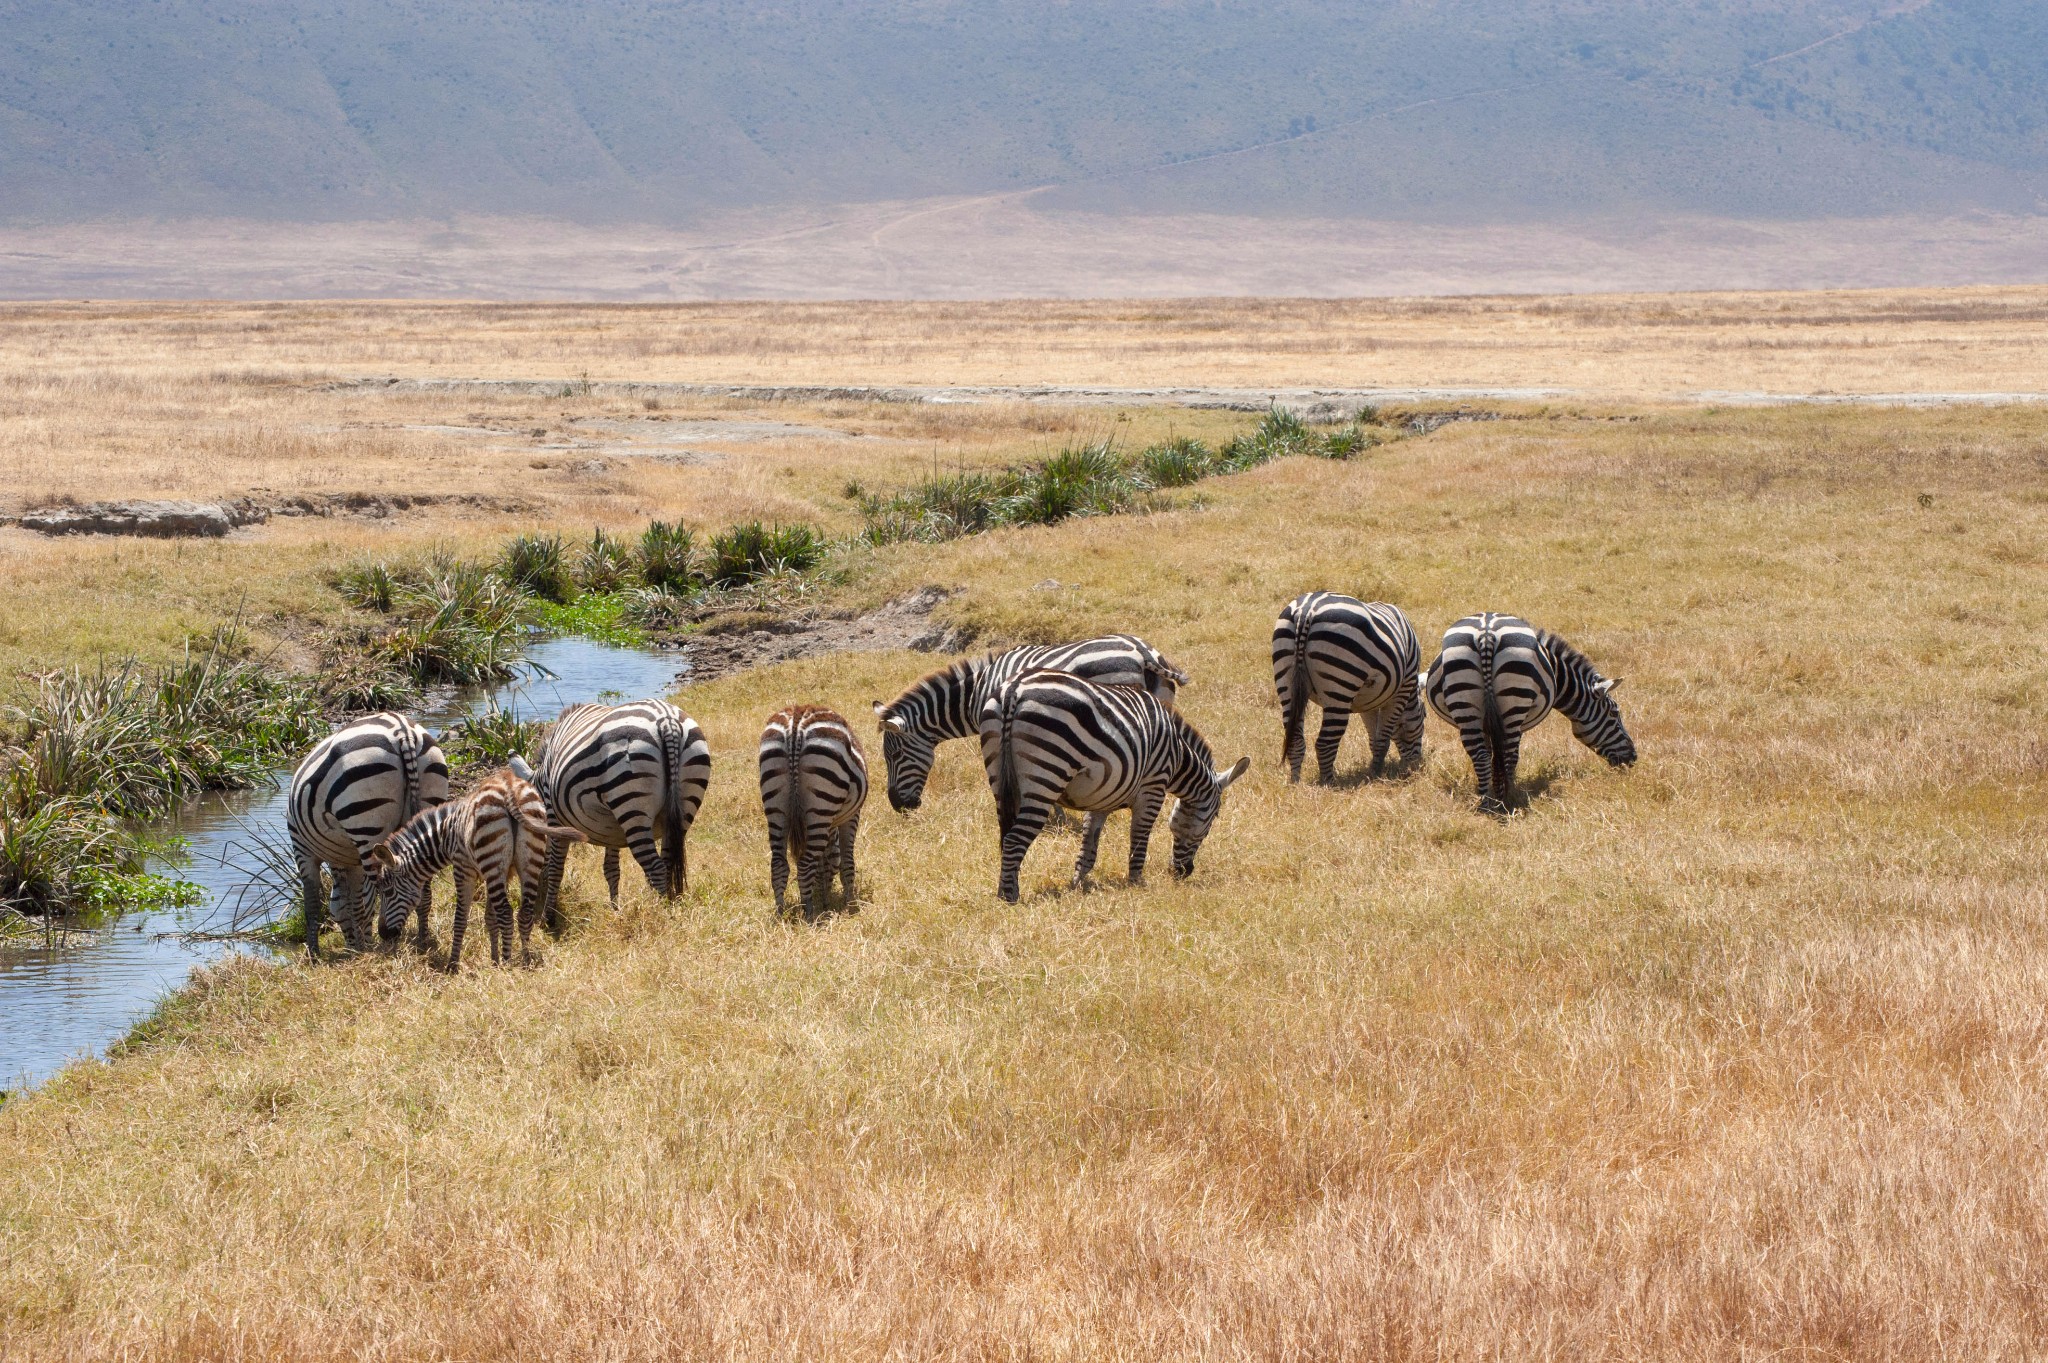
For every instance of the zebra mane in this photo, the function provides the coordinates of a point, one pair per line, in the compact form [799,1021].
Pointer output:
[961,667]
[417,833]
[1567,658]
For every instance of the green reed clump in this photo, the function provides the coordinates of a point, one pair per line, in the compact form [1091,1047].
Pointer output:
[1176,463]
[747,552]
[463,624]
[667,557]
[492,738]
[539,566]
[605,565]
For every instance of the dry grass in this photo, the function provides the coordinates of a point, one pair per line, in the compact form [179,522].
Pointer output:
[1736,1055]
[1612,346]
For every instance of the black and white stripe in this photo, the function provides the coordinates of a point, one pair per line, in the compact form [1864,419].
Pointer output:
[498,830]
[1051,738]
[1498,677]
[358,786]
[1350,657]
[948,703]
[625,776]
[814,781]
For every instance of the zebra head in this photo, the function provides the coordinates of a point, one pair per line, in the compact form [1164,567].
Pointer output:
[907,752]
[397,881]
[1597,724]
[1195,814]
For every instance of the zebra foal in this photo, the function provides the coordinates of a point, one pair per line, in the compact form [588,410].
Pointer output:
[814,780]
[627,777]
[498,830]
[1051,738]
[358,786]
[1499,677]
[947,703]
[1350,657]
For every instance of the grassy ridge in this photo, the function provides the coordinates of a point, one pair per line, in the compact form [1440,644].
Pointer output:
[1731,1055]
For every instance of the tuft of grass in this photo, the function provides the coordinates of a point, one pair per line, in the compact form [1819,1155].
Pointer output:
[667,556]
[606,564]
[462,623]
[491,738]
[750,551]
[538,565]
[1176,463]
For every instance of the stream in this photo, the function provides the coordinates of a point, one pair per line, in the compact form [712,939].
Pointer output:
[59,1004]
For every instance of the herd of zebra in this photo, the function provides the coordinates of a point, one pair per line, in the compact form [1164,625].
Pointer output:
[1090,726]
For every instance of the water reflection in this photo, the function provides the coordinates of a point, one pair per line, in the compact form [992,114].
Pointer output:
[58,1005]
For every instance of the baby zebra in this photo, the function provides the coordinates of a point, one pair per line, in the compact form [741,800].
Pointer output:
[1052,738]
[357,787]
[1351,658]
[814,780]
[498,830]
[1498,677]
[947,704]
[621,774]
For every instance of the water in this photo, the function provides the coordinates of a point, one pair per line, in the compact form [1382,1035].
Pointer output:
[56,1005]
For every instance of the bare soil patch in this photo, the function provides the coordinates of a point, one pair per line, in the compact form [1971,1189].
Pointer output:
[734,645]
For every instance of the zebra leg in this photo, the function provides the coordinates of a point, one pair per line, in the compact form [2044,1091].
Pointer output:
[551,889]
[778,860]
[313,900]
[640,838]
[611,875]
[1380,729]
[1017,840]
[1145,813]
[1091,841]
[348,889]
[1335,722]
[848,833]
[423,940]
[1506,760]
[461,924]
[813,867]
[1292,749]
[499,900]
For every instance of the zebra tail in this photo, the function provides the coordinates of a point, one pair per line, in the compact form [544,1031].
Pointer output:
[1008,797]
[671,732]
[793,815]
[1297,690]
[1489,722]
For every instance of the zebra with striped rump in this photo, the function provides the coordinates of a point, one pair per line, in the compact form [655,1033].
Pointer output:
[948,703]
[625,776]
[498,830]
[1350,657]
[1052,738]
[814,780]
[1498,677]
[357,787]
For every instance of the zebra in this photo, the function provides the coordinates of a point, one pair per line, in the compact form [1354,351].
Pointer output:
[1498,677]
[1052,738]
[1350,657]
[499,829]
[947,703]
[814,780]
[356,787]
[620,774]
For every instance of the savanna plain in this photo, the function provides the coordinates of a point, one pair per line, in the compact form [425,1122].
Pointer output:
[1740,1053]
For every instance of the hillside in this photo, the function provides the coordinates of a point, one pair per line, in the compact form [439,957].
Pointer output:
[629,110]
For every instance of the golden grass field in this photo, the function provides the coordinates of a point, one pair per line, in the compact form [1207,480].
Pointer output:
[1738,1054]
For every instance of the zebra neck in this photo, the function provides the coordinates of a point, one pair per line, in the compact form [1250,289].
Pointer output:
[949,702]
[1572,677]
[426,844]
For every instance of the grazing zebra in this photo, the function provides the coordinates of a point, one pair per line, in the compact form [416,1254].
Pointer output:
[358,786]
[947,704]
[1052,738]
[620,775]
[814,780]
[1498,677]
[1349,657]
[499,829]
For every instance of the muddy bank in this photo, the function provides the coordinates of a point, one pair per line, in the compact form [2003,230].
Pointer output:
[167,519]
[729,646]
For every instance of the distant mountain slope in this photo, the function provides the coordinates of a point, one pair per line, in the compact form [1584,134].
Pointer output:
[609,110]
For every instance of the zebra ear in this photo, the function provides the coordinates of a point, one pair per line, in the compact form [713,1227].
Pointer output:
[1224,778]
[1606,684]
[379,857]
